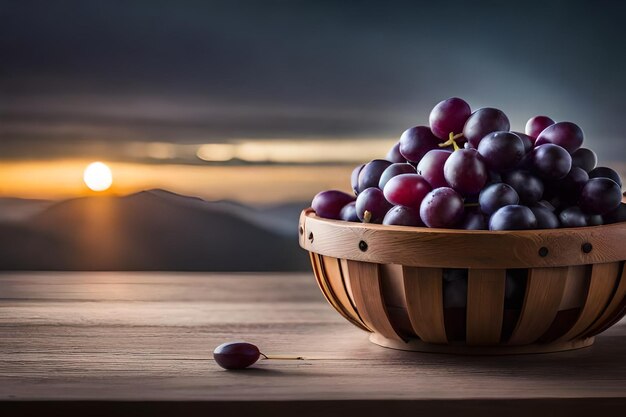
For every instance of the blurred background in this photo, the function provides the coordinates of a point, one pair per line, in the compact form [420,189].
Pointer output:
[217,121]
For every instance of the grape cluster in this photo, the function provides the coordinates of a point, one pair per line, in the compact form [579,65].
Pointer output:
[469,171]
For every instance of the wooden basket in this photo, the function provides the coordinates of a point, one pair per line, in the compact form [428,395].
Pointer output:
[388,280]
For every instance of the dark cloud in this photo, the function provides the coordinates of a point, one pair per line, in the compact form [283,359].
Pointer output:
[193,72]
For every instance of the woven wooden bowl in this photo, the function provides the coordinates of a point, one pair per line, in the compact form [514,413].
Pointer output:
[388,280]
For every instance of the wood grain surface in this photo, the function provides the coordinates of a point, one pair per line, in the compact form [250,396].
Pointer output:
[140,343]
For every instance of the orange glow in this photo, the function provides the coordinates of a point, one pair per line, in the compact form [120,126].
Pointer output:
[254,184]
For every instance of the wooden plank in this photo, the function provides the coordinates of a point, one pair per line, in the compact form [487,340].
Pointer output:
[601,287]
[368,296]
[482,249]
[424,299]
[135,340]
[485,305]
[544,291]
[616,308]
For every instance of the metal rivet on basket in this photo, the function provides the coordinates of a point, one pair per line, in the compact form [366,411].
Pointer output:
[543,251]
[363,246]
[311,236]
[301,231]
[587,247]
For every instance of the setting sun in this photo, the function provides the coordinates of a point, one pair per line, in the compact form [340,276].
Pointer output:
[98,176]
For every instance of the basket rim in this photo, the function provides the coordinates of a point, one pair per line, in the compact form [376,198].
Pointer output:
[450,248]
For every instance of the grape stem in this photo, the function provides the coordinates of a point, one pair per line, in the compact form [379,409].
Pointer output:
[281,357]
[367,216]
[452,141]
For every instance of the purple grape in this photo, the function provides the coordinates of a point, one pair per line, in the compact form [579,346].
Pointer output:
[604,172]
[565,134]
[615,216]
[371,172]
[236,355]
[328,204]
[416,141]
[573,183]
[529,188]
[482,122]
[600,196]
[551,161]
[348,213]
[474,220]
[595,220]
[371,205]
[584,158]
[495,196]
[431,167]
[528,142]
[513,218]
[403,216]
[502,151]
[394,154]
[546,219]
[354,178]
[449,116]
[573,217]
[407,190]
[393,170]
[455,288]
[536,125]
[466,171]
[442,207]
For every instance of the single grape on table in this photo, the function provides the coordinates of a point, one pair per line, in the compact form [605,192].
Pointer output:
[468,170]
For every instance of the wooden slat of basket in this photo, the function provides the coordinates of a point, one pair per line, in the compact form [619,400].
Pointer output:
[334,277]
[601,287]
[612,313]
[322,283]
[544,291]
[423,289]
[485,306]
[368,297]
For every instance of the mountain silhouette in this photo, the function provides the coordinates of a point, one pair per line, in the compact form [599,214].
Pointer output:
[153,230]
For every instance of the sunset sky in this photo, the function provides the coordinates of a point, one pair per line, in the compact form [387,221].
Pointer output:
[266,101]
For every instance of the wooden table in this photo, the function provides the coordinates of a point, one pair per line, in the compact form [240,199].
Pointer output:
[141,343]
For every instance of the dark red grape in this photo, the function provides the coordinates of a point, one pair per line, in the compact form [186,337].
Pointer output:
[604,172]
[529,188]
[474,220]
[615,216]
[416,141]
[371,205]
[371,172]
[536,125]
[551,161]
[407,190]
[393,170]
[431,167]
[495,196]
[403,216]
[546,219]
[600,196]
[236,355]
[595,220]
[565,134]
[584,158]
[573,183]
[442,207]
[328,204]
[573,217]
[354,178]
[449,116]
[348,213]
[394,154]
[502,151]
[513,218]
[526,140]
[466,171]
[482,122]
